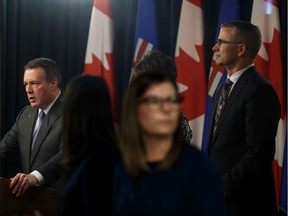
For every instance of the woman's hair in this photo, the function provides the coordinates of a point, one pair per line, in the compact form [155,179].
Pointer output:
[156,60]
[131,142]
[87,118]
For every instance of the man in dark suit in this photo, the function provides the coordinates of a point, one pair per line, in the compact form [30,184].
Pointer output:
[242,131]
[40,159]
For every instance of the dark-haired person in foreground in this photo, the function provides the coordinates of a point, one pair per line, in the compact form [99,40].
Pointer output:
[160,173]
[90,150]
[157,60]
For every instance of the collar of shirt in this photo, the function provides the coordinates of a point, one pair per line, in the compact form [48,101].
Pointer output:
[234,78]
[50,105]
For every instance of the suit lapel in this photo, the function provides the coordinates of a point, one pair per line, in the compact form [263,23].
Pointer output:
[240,84]
[52,116]
[30,122]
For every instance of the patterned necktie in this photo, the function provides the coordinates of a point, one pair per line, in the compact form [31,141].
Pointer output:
[38,124]
[221,103]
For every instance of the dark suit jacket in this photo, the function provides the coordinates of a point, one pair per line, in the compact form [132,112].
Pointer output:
[244,145]
[47,151]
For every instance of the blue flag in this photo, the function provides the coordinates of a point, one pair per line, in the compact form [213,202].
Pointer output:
[229,11]
[146,36]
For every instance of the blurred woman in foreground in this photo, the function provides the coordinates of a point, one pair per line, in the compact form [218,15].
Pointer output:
[161,174]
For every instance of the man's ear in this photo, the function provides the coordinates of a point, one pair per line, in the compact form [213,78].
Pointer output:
[242,48]
[54,84]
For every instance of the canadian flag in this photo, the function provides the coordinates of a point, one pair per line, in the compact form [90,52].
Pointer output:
[265,15]
[98,60]
[189,59]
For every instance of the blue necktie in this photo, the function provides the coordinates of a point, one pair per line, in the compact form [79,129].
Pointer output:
[38,124]
[221,103]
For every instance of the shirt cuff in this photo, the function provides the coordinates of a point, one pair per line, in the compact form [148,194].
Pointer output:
[39,177]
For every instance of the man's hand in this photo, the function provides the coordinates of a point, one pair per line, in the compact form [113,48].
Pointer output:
[21,182]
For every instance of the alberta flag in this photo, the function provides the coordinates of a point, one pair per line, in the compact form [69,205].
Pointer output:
[146,36]
[229,11]
[189,58]
[265,15]
[98,60]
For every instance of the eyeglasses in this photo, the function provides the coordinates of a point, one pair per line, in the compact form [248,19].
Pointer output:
[220,42]
[154,103]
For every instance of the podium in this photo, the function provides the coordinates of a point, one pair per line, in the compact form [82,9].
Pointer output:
[37,201]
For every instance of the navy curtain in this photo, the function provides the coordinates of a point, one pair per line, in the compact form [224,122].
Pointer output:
[58,29]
